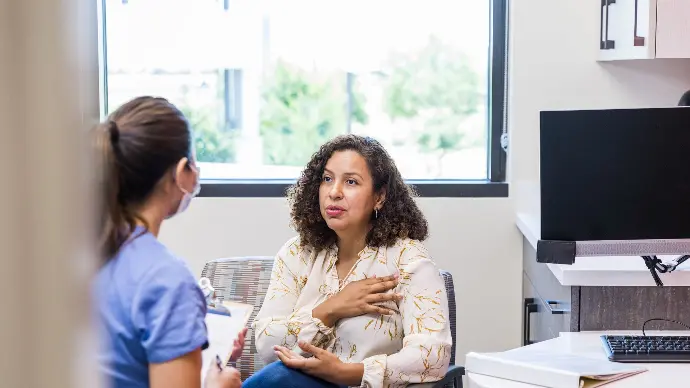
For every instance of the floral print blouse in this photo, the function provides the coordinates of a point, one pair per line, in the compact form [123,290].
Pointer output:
[411,346]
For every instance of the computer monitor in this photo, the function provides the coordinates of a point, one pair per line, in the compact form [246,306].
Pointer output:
[618,174]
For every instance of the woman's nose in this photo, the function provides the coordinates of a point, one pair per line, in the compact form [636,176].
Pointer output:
[336,191]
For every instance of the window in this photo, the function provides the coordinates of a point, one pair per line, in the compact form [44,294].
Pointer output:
[265,82]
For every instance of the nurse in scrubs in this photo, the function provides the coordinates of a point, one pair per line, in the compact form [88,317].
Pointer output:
[151,309]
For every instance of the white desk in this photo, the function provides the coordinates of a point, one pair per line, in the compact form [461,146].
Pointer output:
[589,344]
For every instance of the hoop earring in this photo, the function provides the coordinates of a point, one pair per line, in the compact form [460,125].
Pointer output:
[376,213]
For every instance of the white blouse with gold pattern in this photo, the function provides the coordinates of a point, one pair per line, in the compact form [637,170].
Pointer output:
[411,346]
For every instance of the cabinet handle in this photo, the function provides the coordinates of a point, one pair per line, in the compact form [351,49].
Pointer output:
[530,307]
[551,305]
[638,40]
[605,43]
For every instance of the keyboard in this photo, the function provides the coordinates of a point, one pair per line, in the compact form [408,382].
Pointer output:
[647,349]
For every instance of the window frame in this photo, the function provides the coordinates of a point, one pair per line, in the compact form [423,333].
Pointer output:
[495,186]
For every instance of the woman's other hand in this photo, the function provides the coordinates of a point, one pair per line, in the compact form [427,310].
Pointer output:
[238,345]
[226,378]
[324,365]
[358,298]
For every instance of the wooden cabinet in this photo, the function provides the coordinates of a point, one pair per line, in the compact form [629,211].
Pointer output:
[644,29]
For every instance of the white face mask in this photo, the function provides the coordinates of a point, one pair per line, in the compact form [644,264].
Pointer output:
[187,197]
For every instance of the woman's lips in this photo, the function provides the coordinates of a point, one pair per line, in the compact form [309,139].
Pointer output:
[334,211]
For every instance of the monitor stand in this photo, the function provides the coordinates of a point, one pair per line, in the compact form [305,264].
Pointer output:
[657,266]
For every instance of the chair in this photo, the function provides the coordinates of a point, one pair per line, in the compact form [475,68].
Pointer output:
[246,280]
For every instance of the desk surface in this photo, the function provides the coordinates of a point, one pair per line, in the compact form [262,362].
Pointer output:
[588,344]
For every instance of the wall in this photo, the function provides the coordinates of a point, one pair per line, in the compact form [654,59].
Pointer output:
[553,66]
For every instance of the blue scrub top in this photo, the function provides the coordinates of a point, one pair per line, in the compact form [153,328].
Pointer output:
[150,310]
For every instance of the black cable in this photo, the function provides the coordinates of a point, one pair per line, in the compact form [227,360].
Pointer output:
[665,320]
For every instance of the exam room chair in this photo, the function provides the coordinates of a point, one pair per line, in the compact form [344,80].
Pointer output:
[246,280]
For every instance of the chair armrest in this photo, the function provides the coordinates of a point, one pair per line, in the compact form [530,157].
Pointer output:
[455,372]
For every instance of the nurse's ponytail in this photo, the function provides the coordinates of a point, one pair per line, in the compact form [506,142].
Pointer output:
[137,145]
[116,225]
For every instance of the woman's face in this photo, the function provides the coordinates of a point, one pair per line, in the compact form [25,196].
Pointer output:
[346,195]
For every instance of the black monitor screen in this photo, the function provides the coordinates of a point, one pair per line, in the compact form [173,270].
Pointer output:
[621,174]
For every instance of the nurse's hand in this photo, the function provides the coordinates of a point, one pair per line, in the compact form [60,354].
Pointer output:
[238,345]
[227,378]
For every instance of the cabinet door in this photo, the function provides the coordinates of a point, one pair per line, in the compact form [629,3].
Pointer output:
[673,29]
[542,319]
[628,29]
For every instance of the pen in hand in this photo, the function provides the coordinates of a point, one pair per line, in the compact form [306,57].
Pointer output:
[219,363]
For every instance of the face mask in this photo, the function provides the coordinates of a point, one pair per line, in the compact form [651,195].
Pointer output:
[187,197]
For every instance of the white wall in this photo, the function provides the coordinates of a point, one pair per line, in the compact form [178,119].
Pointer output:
[553,66]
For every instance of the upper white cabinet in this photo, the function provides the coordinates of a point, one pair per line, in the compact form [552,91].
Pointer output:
[644,29]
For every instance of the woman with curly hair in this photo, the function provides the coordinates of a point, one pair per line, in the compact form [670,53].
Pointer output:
[356,290]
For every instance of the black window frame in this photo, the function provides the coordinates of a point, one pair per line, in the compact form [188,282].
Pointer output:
[495,186]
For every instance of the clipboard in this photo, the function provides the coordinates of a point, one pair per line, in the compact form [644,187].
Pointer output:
[223,325]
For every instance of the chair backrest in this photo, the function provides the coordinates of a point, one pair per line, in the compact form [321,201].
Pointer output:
[246,280]
[450,291]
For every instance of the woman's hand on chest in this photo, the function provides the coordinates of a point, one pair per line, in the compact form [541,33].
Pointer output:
[358,298]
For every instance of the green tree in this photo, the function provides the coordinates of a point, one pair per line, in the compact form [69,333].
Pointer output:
[212,145]
[301,110]
[437,88]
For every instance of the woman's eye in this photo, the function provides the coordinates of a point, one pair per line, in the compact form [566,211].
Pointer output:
[351,182]
[326,179]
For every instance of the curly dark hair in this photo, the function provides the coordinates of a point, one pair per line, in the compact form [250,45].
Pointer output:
[398,218]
